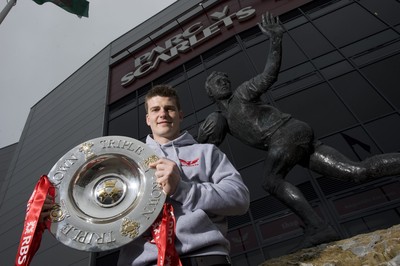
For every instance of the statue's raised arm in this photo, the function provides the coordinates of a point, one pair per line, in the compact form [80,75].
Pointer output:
[272,27]
[253,89]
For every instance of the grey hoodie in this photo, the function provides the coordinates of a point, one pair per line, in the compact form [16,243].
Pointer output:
[210,189]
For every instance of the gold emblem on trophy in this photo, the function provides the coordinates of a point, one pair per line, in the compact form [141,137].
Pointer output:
[129,228]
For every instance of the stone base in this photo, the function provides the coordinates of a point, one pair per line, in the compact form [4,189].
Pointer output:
[379,248]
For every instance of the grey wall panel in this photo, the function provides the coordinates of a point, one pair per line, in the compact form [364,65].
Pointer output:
[71,114]
[6,155]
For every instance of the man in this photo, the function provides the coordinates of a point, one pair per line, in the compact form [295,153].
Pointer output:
[287,141]
[202,186]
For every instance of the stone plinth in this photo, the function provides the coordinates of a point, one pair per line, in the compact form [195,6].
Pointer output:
[379,248]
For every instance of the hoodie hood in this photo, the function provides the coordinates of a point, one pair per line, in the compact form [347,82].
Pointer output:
[184,139]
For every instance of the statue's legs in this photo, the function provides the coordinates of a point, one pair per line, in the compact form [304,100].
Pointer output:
[289,146]
[328,161]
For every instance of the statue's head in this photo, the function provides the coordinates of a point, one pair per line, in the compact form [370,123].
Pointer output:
[218,85]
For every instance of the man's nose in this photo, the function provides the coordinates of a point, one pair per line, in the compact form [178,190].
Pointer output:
[163,112]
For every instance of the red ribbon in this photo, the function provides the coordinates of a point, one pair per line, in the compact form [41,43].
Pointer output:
[32,231]
[163,231]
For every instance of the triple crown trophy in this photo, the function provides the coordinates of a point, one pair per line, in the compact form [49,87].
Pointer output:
[105,194]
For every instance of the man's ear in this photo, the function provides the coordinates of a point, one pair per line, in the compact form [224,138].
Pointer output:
[180,116]
[147,120]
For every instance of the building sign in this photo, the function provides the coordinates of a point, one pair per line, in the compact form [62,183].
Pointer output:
[192,36]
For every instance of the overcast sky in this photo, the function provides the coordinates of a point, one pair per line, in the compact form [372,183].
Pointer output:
[42,45]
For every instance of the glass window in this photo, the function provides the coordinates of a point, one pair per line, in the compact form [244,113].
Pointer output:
[354,143]
[310,40]
[170,76]
[282,248]
[292,19]
[291,54]
[331,185]
[298,175]
[336,69]
[382,220]
[258,54]
[348,24]
[319,107]
[251,34]
[253,177]
[294,74]
[392,191]
[377,53]
[144,129]
[389,12]
[237,67]
[355,227]
[244,154]
[124,125]
[203,113]
[189,122]
[296,85]
[386,132]
[248,259]
[266,206]
[321,7]
[194,67]
[369,44]
[275,229]
[385,76]
[242,239]
[327,59]
[198,91]
[212,55]
[185,98]
[360,96]
[358,202]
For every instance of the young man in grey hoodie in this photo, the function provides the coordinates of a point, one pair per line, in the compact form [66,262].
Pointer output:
[201,184]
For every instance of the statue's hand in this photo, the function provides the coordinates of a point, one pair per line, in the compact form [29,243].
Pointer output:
[270,26]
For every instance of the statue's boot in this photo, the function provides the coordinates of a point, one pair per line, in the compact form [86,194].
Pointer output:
[316,236]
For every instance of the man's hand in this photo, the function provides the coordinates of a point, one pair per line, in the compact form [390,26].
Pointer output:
[270,26]
[46,209]
[168,175]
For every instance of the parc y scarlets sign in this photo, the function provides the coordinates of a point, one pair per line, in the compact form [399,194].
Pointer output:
[191,37]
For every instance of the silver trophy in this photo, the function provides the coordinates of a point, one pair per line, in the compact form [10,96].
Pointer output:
[106,194]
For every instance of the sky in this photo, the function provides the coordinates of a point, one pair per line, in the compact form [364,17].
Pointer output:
[42,45]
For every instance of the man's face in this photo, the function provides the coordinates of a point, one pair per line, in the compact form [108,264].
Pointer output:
[164,118]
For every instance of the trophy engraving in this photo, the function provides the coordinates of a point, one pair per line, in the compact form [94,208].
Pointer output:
[130,228]
[85,237]
[109,192]
[56,214]
[86,148]
[150,160]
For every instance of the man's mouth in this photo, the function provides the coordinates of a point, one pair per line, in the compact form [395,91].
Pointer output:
[164,123]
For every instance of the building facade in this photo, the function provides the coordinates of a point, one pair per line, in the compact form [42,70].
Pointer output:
[341,60]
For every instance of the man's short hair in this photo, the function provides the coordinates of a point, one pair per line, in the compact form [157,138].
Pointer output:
[163,91]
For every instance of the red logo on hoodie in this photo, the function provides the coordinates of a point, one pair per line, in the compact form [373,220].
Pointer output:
[195,162]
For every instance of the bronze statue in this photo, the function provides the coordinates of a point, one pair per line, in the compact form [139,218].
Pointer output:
[287,141]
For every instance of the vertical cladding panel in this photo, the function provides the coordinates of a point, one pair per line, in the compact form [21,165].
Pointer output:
[70,114]
[6,155]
